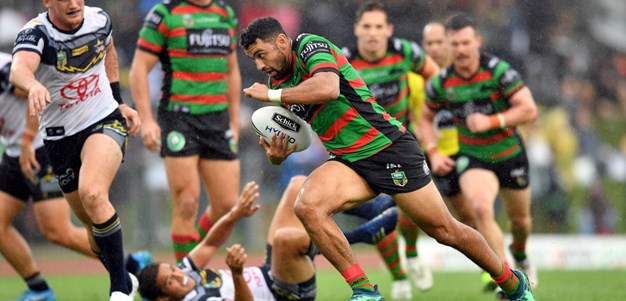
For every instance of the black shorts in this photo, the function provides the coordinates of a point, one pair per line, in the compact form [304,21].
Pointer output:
[303,291]
[207,135]
[399,168]
[64,154]
[448,185]
[13,181]
[512,173]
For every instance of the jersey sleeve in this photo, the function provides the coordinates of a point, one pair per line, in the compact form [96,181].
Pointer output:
[30,38]
[417,56]
[317,56]
[153,33]
[509,79]
[233,23]
[433,101]
[4,78]
[187,265]
[109,27]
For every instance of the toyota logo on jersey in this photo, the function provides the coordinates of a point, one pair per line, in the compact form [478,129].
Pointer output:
[82,88]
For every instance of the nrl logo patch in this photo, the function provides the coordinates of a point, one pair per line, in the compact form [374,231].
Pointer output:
[399,178]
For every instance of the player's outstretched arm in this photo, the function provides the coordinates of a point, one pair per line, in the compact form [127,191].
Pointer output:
[221,231]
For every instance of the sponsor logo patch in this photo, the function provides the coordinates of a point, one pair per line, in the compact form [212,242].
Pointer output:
[312,48]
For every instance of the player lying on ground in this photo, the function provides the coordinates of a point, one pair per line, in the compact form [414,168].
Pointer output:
[288,272]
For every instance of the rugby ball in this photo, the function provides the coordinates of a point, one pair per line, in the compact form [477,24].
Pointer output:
[276,120]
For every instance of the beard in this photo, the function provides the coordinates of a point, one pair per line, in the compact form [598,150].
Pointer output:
[283,67]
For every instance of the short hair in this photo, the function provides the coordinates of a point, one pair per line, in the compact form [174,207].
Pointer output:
[263,28]
[147,277]
[371,6]
[460,21]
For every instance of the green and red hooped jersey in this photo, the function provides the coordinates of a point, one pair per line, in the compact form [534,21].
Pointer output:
[352,126]
[487,92]
[192,43]
[387,77]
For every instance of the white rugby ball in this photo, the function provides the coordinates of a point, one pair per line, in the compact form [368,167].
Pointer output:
[276,120]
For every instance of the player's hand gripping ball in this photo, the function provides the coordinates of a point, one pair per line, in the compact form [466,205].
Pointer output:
[276,120]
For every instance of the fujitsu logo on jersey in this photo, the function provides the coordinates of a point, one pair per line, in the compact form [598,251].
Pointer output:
[286,122]
[208,38]
[208,41]
[312,48]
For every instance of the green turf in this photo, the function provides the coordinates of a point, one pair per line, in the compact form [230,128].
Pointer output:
[554,285]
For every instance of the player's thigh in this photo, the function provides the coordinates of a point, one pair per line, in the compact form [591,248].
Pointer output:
[222,180]
[10,206]
[182,175]
[101,157]
[284,216]
[334,187]
[480,185]
[425,207]
[289,260]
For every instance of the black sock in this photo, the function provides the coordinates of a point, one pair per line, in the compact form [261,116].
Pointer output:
[101,258]
[131,264]
[108,237]
[36,282]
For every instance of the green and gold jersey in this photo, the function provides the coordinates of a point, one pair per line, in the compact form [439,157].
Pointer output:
[387,77]
[486,92]
[192,43]
[353,126]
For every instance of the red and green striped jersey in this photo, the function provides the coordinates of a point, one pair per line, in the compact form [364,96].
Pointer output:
[353,126]
[387,77]
[487,92]
[192,43]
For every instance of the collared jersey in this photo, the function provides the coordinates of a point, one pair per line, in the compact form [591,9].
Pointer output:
[12,113]
[192,43]
[72,69]
[218,285]
[487,92]
[353,126]
[386,78]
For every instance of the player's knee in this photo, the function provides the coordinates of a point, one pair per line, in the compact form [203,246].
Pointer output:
[483,211]
[520,222]
[186,205]
[93,198]
[290,239]
[447,234]
[295,183]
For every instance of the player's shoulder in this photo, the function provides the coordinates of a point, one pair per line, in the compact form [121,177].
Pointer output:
[350,53]
[91,12]
[36,22]
[397,44]
[311,43]
[492,62]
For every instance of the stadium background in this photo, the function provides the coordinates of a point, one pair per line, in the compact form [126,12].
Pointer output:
[572,55]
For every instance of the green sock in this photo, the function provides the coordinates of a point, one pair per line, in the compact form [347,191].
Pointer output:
[183,244]
[388,250]
[410,232]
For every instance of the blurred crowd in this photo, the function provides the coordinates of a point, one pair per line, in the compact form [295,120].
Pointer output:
[572,54]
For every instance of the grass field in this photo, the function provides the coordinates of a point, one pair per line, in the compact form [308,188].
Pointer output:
[449,286]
